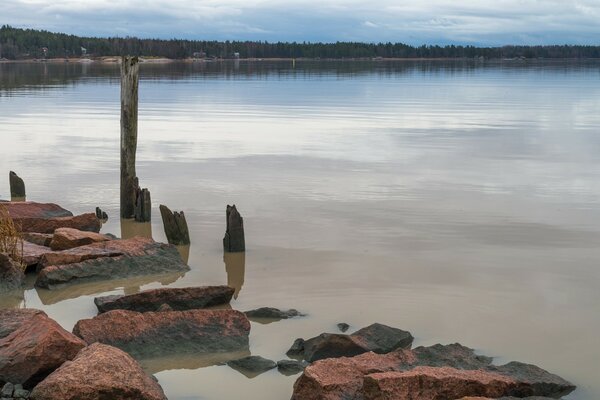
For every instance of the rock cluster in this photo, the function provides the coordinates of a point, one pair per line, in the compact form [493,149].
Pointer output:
[11,391]
[11,274]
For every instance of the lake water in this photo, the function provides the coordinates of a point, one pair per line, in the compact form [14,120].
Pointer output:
[458,201]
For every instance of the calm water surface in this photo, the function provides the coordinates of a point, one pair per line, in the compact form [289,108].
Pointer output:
[458,201]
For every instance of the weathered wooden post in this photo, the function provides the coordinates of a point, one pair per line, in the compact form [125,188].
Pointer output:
[17,187]
[234,240]
[135,202]
[176,227]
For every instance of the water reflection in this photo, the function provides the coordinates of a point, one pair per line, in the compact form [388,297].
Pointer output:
[190,361]
[235,266]
[184,252]
[130,228]
[128,285]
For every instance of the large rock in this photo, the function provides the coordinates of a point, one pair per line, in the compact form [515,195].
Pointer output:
[114,259]
[83,222]
[31,209]
[347,378]
[32,346]
[41,239]
[11,274]
[377,338]
[156,334]
[33,253]
[99,372]
[68,238]
[177,299]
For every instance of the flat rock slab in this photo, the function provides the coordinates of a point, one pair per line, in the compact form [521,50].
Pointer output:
[31,209]
[113,259]
[68,238]
[252,366]
[11,274]
[357,377]
[158,334]
[83,222]
[33,253]
[99,372]
[378,338]
[170,299]
[41,239]
[32,346]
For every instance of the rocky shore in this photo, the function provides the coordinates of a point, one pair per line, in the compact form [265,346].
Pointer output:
[102,357]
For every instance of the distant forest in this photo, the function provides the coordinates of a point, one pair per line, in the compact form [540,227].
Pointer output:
[18,43]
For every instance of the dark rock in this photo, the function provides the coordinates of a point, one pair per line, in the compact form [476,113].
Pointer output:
[32,346]
[343,327]
[156,334]
[452,371]
[41,239]
[382,338]
[291,367]
[234,240]
[68,238]
[165,307]
[113,259]
[252,366]
[17,186]
[331,345]
[272,313]
[99,372]
[297,349]
[11,274]
[7,390]
[377,338]
[178,299]
[176,228]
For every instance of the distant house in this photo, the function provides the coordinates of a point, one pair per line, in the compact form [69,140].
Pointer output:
[199,54]
[236,55]
[83,51]
[45,51]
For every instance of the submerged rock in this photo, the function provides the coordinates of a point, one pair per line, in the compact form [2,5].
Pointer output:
[99,372]
[291,367]
[376,337]
[297,349]
[272,313]
[252,366]
[11,274]
[167,299]
[343,327]
[68,238]
[156,334]
[32,346]
[113,259]
[452,371]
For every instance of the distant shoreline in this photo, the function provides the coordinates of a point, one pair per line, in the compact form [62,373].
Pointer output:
[163,60]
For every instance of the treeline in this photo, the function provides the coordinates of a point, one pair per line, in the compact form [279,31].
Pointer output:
[18,43]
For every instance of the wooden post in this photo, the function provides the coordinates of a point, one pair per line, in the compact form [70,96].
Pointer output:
[234,240]
[175,225]
[17,186]
[135,202]
[129,125]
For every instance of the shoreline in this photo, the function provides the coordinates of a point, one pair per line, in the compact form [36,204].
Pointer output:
[164,60]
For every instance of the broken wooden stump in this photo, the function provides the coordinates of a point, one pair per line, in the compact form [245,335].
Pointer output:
[101,215]
[17,187]
[234,240]
[143,206]
[175,225]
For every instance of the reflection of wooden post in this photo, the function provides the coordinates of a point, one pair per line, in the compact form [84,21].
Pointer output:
[234,240]
[235,267]
[17,186]
[135,202]
[176,227]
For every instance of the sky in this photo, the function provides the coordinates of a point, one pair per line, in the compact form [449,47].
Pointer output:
[416,22]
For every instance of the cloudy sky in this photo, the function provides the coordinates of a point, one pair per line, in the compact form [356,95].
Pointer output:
[480,22]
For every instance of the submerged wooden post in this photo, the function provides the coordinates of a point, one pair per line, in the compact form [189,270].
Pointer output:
[17,186]
[135,202]
[175,225]
[234,240]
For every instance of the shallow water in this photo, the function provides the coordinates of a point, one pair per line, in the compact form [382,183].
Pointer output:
[458,201]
